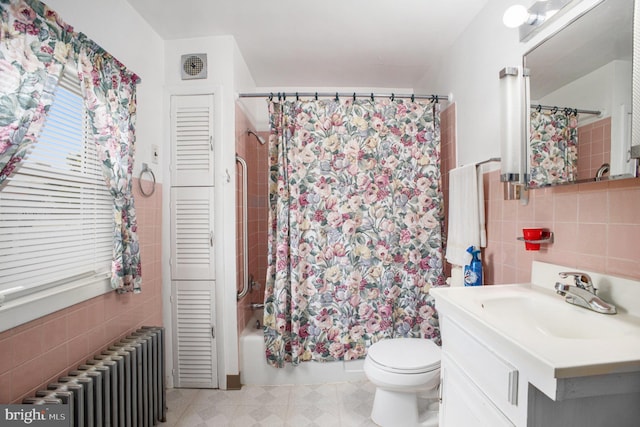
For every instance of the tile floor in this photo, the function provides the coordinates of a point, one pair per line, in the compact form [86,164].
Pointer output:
[325,405]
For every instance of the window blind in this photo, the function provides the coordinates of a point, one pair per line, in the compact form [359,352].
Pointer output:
[56,220]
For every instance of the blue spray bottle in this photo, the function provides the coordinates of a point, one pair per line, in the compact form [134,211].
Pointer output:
[473,271]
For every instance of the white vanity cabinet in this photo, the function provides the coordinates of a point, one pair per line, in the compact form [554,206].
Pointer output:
[518,355]
[483,388]
[479,387]
[463,403]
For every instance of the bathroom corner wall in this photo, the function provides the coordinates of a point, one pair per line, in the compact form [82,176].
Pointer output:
[256,156]
[36,353]
[447,162]
[596,227]
[594,147]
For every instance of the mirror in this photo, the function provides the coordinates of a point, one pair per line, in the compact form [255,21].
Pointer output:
[586,66]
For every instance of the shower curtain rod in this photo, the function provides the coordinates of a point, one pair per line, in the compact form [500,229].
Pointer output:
[552,107]
[354,95]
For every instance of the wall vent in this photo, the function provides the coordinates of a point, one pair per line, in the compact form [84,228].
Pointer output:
[194,66]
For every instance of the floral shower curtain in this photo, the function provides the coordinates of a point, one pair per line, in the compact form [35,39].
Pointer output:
[35,45]
[553,147]
[355,239]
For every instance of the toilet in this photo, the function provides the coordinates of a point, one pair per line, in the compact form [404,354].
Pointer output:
[402,368]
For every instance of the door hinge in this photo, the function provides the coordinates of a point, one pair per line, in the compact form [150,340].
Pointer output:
[213,332]
[211,238]
[211,142]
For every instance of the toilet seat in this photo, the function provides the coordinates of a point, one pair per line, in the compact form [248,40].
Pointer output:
[405,355]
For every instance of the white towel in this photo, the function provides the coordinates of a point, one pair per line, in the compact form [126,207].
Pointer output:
[466,214]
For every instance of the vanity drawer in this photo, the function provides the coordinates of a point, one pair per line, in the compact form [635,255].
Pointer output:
[496,377]
[463,403]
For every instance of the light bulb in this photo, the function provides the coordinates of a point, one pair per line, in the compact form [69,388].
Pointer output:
[515,16]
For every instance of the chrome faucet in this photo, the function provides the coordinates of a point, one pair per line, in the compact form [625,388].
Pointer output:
[583,293]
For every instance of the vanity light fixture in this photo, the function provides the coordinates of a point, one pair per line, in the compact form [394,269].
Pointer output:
[530,20]
[513,131]
[512,123]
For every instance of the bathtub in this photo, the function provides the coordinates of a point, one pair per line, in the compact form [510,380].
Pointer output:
[254,369]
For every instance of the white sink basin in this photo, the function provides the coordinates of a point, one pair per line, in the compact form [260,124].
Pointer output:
[553,338]
[552,316]
[532,310]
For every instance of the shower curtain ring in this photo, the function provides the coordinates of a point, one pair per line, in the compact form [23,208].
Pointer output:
[354,97]
[297,97]
[337,99]
[316,96]
[413,97]
[554,110]
[392,97]
[372,97]
[284,96]
[271,96]
[539,108]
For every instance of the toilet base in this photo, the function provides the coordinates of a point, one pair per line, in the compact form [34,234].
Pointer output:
[393,408]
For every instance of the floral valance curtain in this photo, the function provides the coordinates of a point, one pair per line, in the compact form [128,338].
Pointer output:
[35,45]
[355,239]
[553,147]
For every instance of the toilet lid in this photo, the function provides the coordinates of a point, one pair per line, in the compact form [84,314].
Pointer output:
[406,355]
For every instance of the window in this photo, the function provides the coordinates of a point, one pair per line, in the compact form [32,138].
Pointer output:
[56,220]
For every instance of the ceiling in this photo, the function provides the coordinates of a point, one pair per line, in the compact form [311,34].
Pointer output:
[330,43]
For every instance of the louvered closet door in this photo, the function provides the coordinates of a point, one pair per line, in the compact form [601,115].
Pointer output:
[192,238]
[192,140]
[194,346]
[192,242]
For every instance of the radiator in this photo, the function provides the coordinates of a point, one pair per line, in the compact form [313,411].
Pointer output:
[121,387]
